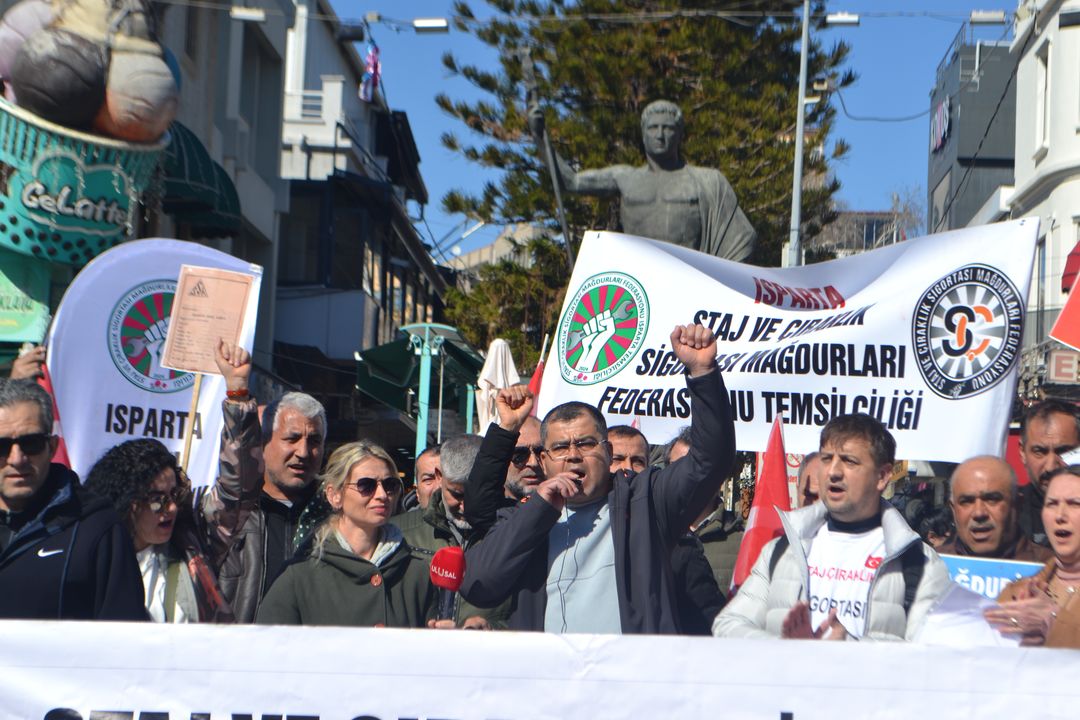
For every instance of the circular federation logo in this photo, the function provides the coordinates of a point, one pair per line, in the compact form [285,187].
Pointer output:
[136,336]
[967,330]
[603,328]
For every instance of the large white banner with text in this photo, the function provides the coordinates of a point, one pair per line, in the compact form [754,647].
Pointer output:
[115,671]
[925,335]
[104,355]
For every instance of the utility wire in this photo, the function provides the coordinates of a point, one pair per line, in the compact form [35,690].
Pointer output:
[736,15]
[916,116]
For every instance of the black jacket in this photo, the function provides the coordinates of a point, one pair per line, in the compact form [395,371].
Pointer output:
[73,559]
[1030,515]
[649,512]
[698,599]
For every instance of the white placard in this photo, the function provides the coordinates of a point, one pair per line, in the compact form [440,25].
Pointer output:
[105,351]
[924,334]
[211,672]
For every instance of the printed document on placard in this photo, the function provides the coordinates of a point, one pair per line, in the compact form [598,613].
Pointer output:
[209,306]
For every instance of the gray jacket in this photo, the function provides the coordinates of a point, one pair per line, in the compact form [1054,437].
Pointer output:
[759,607]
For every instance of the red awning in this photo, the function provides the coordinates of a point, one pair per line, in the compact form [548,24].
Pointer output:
[1072,268]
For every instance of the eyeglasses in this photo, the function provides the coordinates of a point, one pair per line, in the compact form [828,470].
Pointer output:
[157,501]
[31,444]
[366,485]
[584,446]
[520,456]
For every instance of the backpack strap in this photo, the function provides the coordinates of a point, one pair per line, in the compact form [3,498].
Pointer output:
[912,562]
[172,579]
[778,550]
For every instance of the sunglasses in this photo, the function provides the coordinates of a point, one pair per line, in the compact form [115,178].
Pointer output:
[520,456]
[157,502]
[31,444]
[366,485]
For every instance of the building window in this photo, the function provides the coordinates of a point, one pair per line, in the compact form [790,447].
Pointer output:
[937,204]
[397,300]
[1042,101]
[369,269]
[299,254]
[260,103]
[410,303]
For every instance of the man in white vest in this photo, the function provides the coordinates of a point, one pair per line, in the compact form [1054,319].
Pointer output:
[847,567]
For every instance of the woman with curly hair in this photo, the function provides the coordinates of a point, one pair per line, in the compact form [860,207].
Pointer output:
[151,493]
[360,571]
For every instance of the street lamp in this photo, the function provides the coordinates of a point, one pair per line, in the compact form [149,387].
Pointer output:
[419,25]
[793,257]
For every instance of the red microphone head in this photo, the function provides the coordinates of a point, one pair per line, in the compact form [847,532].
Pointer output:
[448,568]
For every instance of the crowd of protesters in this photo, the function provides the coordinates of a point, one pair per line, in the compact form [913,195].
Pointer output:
[564,524]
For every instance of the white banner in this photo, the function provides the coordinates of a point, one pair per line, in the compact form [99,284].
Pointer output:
[114,671]
[924,335]
[105,355]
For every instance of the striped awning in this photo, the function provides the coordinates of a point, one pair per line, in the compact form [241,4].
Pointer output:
[190,182]
[198,191]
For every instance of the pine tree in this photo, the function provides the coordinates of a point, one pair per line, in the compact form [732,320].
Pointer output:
[515,302]
[600,62]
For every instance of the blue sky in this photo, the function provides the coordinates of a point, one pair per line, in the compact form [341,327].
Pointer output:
[895,54]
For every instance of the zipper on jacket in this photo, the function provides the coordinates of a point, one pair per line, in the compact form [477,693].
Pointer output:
[873,586]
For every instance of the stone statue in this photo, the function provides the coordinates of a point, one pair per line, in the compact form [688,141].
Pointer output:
[666,199]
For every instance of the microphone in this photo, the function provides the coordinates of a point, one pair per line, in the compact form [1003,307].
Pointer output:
[447,572]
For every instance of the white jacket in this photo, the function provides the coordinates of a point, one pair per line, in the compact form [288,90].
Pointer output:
[759,607]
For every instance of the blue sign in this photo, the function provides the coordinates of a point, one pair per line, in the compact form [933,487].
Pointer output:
[987,576]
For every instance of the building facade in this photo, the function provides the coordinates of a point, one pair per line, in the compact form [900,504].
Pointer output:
[970,147]
[353,269]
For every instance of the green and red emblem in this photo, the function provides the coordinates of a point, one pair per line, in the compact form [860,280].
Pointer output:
[602,328]
[136,336]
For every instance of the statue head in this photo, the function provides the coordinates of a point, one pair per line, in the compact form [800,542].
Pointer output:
[662,131]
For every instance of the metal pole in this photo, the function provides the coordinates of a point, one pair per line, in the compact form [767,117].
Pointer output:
[794,255]
[470,398]
[423,349]
[438,426]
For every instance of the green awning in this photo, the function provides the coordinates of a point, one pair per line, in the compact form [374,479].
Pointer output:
[224,218]
[190,182]
[198,192]
[389,372]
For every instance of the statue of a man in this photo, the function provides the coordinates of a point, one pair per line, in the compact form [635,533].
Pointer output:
[666,199]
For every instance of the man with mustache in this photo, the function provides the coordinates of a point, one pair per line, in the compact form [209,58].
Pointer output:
[525,472]
[589,551]
[983,494]
[1050,429]
[848,567]
[442,523]
[255,519]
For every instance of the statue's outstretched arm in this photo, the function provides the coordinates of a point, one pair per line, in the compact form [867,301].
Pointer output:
[602,181]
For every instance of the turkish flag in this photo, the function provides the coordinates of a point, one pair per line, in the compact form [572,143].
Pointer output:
[534,383]
[61,455]
[770,495]
[1067,328]
[538,376]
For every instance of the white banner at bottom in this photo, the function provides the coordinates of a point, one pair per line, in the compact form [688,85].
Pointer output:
[116,671]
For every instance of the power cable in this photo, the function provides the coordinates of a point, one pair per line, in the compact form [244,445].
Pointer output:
[916,116]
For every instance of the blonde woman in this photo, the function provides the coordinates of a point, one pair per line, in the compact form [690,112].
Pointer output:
[360,571]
